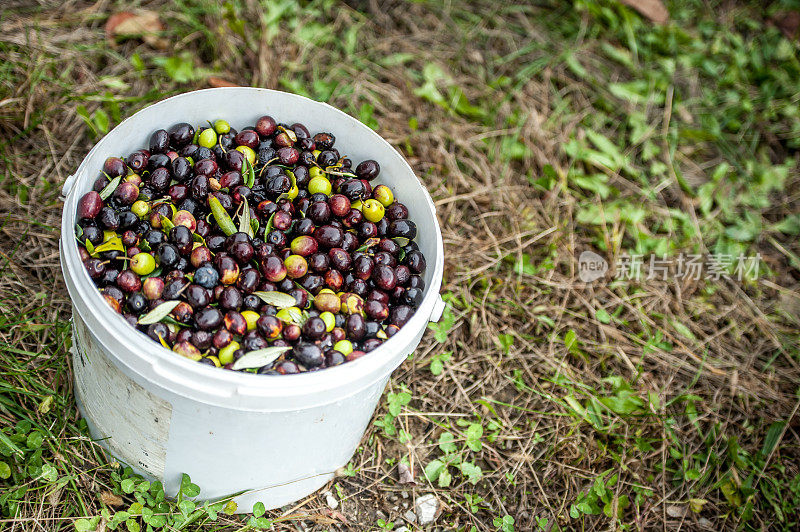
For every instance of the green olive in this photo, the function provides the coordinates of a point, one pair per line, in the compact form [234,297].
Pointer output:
[373,210]
[329,319]
[226,353]
[383,194]
[251,317]
[315,171]
[319,184]
[286,315]
[140,208]
[208,138]
[143,263]
[222,127]
[345,347]
[248,152]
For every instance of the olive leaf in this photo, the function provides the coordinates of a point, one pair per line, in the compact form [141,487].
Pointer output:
[158,313]
[89,246]
[268,228]
[401,241]
[277,299]
[344,174]
[172,321]
[308,294]
[112,244]
[260,357]
[250,175]
[221,216]
[166,224]
[244,220]
[369,243]
[290,133]
[163,342]
[295,316]
[110,188]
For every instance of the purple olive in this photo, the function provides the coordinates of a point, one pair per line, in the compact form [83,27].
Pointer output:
[89,205]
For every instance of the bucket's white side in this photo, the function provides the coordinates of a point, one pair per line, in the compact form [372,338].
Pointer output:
[129,420]
[282,436]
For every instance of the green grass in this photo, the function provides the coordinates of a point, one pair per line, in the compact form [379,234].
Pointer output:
[541,130]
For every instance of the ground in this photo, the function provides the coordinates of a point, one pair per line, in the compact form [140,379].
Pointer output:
[543,400]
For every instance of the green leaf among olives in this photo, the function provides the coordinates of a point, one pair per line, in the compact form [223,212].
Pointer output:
[277,299]
[89,246]
[260,357]
[250,174]
[112,244]
[244,220]
[166,224]
[110,188]
[270,226]
[369,243]
[221,216]
[158,313]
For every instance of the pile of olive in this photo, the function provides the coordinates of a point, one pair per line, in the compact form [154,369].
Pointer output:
[261,250]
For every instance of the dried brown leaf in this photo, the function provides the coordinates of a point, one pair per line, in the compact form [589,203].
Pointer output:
[132,24]
[335,514]
[110,499]
[220,82]
[652,9]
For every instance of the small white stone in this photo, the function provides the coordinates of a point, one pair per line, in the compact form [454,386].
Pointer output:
[410,516]
[330,500]
[676,511]
[426,508]
[401,529]
[380,515]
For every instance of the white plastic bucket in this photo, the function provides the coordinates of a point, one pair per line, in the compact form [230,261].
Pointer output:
[281,437]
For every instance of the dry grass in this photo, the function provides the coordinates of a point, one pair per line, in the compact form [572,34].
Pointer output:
[740,369]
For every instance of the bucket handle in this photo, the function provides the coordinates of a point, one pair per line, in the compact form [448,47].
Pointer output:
[66,188]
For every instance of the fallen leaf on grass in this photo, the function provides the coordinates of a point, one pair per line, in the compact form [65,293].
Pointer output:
[406,475]
[652,9]
[133,24]
[109,499]
[335,514]
[219,82]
